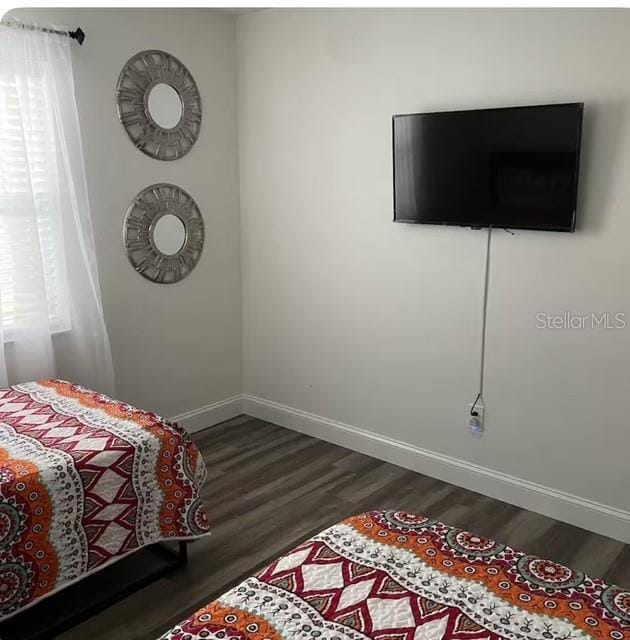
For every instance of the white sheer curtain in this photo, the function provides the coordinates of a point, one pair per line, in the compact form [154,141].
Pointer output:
[51,315]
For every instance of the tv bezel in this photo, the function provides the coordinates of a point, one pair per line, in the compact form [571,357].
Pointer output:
[482,225]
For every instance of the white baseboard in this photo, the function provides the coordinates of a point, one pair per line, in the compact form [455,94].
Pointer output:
[581,512]
[211,414]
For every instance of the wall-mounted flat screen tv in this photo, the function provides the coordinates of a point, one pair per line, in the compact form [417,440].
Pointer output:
[515,168]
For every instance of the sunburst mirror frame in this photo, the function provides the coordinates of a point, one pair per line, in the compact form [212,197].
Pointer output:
[143,213]
[140,74]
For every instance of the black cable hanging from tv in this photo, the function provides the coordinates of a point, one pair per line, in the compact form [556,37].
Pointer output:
[78,34]
[484,316]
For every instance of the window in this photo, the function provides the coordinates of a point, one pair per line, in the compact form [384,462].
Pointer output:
[31,234]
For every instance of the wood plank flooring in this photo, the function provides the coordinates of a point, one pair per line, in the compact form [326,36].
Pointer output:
[269,488]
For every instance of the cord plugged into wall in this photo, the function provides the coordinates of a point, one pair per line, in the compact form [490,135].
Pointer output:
[475,418]
[476,409]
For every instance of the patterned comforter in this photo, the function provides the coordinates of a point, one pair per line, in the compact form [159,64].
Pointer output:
[399,576]
[84,480]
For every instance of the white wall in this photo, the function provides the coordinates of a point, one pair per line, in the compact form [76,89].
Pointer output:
[376,325]
[175,347]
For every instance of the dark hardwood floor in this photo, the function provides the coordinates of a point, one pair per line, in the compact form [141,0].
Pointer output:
[269,488]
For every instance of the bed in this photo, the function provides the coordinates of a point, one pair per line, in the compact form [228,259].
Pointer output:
[391,575]
[84,481]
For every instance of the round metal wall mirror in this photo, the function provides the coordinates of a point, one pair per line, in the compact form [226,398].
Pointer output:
[159,105]
[163,233]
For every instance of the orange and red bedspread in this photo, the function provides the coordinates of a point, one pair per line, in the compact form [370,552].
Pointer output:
[392,575]
[84,480]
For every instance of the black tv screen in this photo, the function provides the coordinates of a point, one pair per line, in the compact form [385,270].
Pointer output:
[514,168]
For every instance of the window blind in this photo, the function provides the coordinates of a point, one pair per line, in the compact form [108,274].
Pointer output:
[31,234]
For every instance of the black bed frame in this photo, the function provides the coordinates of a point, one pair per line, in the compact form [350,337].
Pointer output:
[78,602]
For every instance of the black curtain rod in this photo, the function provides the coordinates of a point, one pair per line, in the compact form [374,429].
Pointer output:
[78,34]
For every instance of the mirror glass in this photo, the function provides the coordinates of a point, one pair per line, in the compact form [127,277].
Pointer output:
[169,234]
[165,105]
